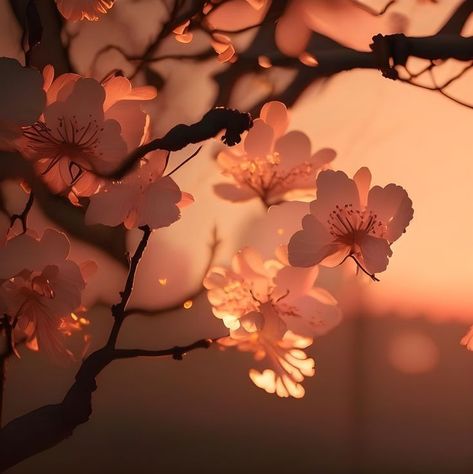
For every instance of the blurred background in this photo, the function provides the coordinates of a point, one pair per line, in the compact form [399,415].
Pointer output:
[393,390]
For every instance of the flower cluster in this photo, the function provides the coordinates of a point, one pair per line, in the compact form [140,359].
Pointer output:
[144,197]
[75,129]
[40,289]
[272,310]
[86,127]
[272,164]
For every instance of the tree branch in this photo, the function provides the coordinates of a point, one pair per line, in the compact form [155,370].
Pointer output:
[118,310]
[212,123]
[176,352]
[47,426]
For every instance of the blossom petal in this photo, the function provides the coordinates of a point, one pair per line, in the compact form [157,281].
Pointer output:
[393,206]
[315,318]
[111,205]
[159,206]
[275,115]
[295,280]
[311,245]
[293,148]
[259,140]
[375,253]
[362,179]
[333,188]
[323,157]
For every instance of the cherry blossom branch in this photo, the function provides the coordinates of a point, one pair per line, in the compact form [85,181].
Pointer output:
[233,122]
[176,352]
[47,426]
[180,165]
[118,310]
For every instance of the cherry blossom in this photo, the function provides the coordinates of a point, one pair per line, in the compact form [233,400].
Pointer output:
[40,289]
[75,10]
[349,219]
[86,126]
[144,197]
[22,98]
[271,164]
[273,310]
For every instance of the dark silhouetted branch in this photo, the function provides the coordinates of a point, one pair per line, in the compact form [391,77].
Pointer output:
[23,215]
[176,352]
[47,426]
[233,122]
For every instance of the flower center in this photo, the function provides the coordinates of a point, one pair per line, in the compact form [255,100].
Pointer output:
[68,139]
[347,224]
[263,173]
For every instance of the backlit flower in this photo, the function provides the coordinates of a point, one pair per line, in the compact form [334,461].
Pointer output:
[273,310]
[22,98]
[86,126]
[40,288]
[75,10]
[271,164]
[350,219]
[144,197]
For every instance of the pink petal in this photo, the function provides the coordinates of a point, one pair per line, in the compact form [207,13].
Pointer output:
[333,188]
[186,200]
[393,207]
[111,205]
[293,148]
[259,140]
[275,115]
[54,245]
[362,179]
[316,318]
[375,252]
[295,280]
[248,262]
[159,206]
[132,122]
[311,245]
[119,88]
[323,157]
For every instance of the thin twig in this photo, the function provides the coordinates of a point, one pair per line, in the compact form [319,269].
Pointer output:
[176,352]
[118,310]
[184,162]
[23,216]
